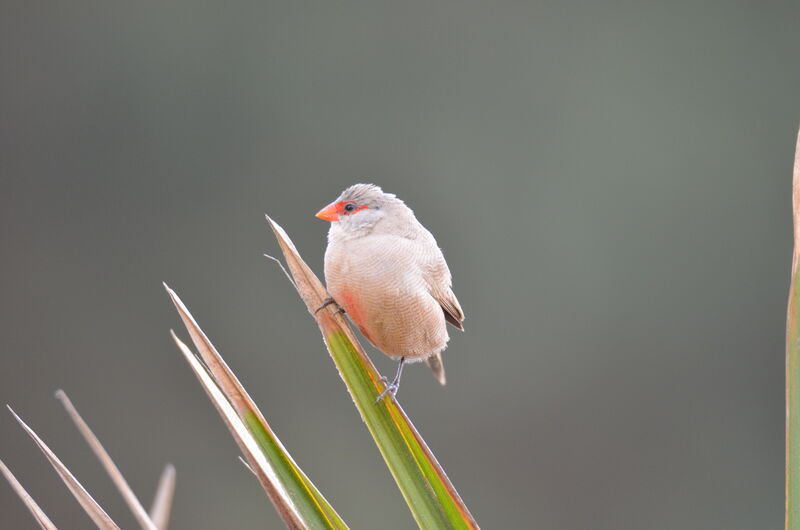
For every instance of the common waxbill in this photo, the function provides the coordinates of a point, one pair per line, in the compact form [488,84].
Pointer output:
[385,270]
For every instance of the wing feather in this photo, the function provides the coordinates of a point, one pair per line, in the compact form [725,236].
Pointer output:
[439,282]
[452,309]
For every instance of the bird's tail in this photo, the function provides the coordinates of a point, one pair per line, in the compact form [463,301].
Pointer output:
[436,364]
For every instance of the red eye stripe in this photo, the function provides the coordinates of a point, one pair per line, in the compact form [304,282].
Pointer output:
[341,211]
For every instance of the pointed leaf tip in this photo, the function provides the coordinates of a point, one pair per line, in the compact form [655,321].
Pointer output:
[276,470]
[108,464]
[162,501]
[87,502]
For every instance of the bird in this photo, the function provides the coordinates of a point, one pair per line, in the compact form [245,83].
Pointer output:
[384,269]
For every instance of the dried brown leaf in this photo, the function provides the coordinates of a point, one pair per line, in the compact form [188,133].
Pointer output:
[105,459]
[37,512]
[162,502]
[90,506]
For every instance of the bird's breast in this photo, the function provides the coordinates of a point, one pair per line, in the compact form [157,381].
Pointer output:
[383,291]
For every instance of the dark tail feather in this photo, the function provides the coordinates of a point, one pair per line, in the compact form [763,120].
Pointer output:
[436,364]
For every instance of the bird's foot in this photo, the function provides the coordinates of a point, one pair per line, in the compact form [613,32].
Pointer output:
[394,386]
[328,301]
[391,388]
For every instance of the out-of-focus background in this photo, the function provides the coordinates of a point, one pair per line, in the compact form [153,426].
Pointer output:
[609,181]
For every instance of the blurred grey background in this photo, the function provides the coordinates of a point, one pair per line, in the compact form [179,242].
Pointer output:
[609,181]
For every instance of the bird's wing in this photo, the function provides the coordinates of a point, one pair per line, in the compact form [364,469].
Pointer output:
[439,282]
[452,309]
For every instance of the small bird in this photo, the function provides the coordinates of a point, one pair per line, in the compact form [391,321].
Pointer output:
[385,270]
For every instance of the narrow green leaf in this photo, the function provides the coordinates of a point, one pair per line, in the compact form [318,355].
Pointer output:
[272,485]
[109,465]
[37,512]
[430,495]
[89,505]
[295,497]
[793,366]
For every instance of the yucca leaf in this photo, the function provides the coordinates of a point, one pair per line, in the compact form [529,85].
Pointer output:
[294,496]
[162,501]
[430,496]
[105,459]
[89,505]
[37,512]
[266,475]
[793,366]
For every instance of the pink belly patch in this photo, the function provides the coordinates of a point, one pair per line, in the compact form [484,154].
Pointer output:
[352,305]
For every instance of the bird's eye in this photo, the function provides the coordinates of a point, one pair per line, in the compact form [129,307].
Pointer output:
[349,207]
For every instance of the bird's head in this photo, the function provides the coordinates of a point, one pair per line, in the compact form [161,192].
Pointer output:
[359,207]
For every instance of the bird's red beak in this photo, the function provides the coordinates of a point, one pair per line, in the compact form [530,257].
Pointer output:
[329,213]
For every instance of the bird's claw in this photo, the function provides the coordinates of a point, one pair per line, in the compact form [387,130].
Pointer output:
[391,388]
[328,301]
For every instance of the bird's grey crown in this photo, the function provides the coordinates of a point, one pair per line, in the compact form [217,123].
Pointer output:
[366,194]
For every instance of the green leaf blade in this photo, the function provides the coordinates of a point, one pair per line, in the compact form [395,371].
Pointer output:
[303,491]
[792,521]
[294,496]
[408,457]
